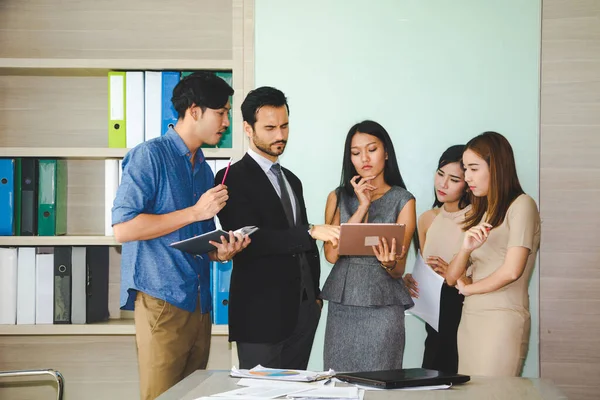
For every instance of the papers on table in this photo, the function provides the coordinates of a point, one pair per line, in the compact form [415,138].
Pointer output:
[411,388]
[293,375]
[260,387]
[427,305]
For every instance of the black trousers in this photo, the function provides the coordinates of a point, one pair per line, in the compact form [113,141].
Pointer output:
[441,349]
[291,353]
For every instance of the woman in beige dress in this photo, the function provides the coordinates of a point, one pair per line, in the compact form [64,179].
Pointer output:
[502,236]
[440,238]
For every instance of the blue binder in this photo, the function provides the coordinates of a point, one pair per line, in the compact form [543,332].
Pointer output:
[170,79]
[221,278]
[7,196]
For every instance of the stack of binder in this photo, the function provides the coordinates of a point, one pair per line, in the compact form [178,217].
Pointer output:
[53,285]
[140,108]
[33,197]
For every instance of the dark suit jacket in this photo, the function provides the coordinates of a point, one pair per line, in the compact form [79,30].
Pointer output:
[264,296]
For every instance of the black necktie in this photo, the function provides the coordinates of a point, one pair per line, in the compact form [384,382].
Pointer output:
[285,195]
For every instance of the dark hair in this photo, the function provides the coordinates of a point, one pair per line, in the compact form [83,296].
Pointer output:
[504,183]
[453,154]
[261,97]
[202,88]
[391,171]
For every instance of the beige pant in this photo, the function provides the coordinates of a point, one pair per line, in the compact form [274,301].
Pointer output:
[172,343]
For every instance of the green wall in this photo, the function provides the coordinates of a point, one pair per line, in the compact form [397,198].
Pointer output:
[434,73]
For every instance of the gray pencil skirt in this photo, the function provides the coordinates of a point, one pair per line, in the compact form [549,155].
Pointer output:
[364,338]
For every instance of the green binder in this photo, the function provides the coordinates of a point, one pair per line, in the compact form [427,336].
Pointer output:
[61,197]
[47,198]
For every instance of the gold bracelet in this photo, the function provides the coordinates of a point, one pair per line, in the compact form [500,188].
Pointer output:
[388,269]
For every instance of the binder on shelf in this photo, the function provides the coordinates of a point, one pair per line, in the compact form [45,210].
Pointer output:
[152,104]
[47,198]
[17,204]
[97,284]
[62,285]
[170,79]
[44,286]
[221,279]
[8,286]
[78,285]
[29,196]
[116,110]
[61,197]
[26,286]
[134,108]
[111,184]
[7,196]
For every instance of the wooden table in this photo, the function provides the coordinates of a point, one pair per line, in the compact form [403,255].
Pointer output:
[205,383]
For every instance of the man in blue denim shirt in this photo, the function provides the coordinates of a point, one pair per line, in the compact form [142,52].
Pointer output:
[166,195]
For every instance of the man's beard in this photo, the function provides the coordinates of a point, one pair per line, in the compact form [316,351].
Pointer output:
[266,148]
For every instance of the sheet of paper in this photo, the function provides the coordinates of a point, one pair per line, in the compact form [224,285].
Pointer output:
[293,375]
[348,392]
[427,305]
[264,392]
[413,388]
[270,383]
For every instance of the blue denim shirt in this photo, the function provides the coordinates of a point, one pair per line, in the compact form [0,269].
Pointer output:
[157,178]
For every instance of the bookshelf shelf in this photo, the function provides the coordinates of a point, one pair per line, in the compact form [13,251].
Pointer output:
[90,153]
[112,327]
[63,152]
[93,66]
[66,240]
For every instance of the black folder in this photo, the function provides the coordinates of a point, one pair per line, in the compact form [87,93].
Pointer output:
[62,285]
[29,198]
[97,284]
[200,244]
[401,378]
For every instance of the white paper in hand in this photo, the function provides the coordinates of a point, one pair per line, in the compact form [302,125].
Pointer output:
[427,305]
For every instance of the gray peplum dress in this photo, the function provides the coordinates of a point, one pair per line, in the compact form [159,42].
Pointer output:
[365,321]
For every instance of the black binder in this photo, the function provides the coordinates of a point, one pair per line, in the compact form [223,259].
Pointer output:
[29,198]
[62,285]
[97,284]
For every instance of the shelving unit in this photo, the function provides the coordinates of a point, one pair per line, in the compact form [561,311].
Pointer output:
[66,240]
[111,327]
[53,74]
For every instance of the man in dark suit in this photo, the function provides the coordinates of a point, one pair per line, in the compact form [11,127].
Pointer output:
[274,304]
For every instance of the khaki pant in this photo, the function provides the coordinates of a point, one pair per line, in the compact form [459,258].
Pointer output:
[172,343]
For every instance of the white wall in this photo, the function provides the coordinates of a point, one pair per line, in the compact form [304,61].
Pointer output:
[434,73]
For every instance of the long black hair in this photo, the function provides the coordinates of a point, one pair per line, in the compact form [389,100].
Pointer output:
[391,171]
[453,154]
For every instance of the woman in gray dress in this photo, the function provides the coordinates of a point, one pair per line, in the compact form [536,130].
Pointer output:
[367,296]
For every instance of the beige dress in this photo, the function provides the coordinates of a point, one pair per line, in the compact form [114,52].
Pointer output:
[493,335]
[444,239]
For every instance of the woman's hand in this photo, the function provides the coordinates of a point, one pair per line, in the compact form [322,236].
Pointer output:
[387,256]
[411,285]
[362,189]
[476,236]
[438,265]
[463,287]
